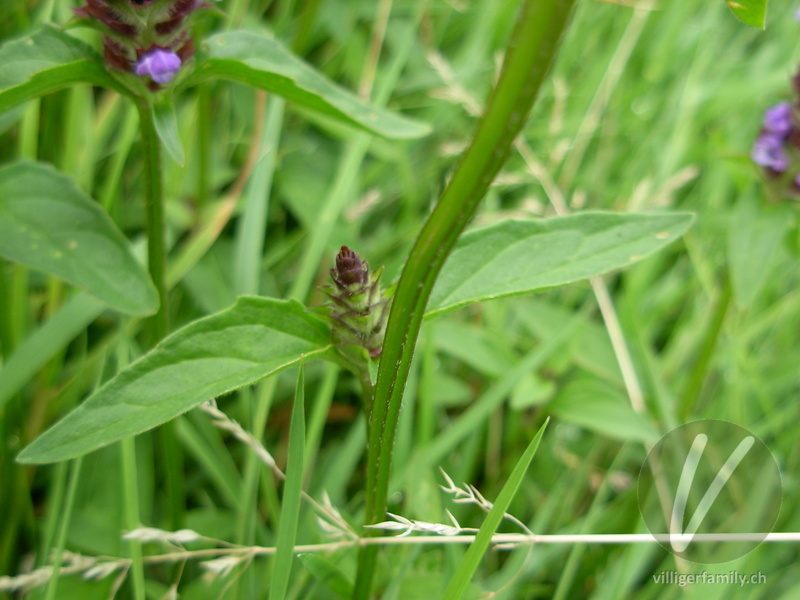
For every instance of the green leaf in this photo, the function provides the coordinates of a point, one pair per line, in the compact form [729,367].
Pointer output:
[518,257]
[327,574]
[263,62]
[469,563]
[754,237]
[254,338]
[49,224]
[45,62]
[749,12]
[600,407]
[292,491]
[167,128]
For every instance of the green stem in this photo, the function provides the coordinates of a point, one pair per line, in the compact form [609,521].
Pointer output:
[154,208]
[172,463]
[55,502]
[530,54]
[307,18]
[204,134]
[131,507]
[62,533]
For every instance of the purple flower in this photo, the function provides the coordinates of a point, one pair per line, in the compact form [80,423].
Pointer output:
[768,151]
[778,119]
[160,65]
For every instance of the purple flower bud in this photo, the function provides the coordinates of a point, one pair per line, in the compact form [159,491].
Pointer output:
[768,151]
[350,269]
[359,305]
[160,65]
[778,119]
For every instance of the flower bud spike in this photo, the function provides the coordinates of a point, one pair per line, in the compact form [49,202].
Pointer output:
[358,305]
[148,38]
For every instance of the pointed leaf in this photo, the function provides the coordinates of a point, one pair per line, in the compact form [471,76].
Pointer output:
[262,62]
[254,338]
[45,62]
[519,257]
[469,563]
[47,223]
[750,12]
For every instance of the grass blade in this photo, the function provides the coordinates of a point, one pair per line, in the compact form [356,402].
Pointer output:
[44,343]
[469,564]
[290,507]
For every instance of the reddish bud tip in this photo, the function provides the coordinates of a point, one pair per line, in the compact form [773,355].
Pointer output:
[350,269]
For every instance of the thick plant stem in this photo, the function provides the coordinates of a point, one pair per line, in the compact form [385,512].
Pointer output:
[154,209]
[172,463]
[529,56]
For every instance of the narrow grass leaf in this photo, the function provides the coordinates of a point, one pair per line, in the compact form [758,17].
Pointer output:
[167,129]
[250,231]
[45,62]
[48,340]
[290,506]
[518,257]
[326,573]
[263,62]
[255,338]
[749,12]
[48,224]
[469,563]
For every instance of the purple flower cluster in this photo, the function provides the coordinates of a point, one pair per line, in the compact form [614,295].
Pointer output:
[150,38]
[771,149]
